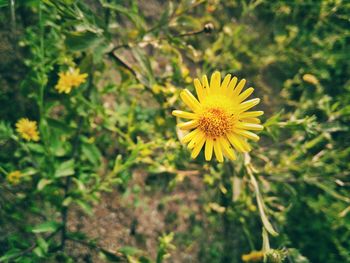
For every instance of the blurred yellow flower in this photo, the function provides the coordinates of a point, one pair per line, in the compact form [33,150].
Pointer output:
[310,79]
[160,121]
[220,117]
[28,129]
[14,177]
[185,72]
[156,88]
[70,79]
[217,208]
[254,256]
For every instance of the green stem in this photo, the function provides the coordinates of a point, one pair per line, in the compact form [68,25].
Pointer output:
[266,243]
[13,15]
[249,236]
[231,232]
[42,56]
[259,199]
[75,155]
[3,171]
[42,81]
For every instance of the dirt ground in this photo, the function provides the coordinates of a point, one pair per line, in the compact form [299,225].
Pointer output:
[116,224]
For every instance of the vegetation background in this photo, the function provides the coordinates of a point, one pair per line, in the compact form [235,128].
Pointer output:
[109,179]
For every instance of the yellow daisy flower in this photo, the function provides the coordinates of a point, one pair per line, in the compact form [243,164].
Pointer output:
[70,79]
[14,177]
[220,118]
[28,129]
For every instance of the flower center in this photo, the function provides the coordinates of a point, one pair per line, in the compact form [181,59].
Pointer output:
[29,131]
[216,122]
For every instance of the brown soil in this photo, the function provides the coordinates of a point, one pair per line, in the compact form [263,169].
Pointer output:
[139,219]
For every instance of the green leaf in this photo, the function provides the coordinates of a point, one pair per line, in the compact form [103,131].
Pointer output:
[39,252]
[80,185]
[29,171]
[36,148]
[50,226]
[92,153]
[130,251]
[65,169]
[42,183]
[85,206]
[42,248]
[80,41]
[3,3]
[133,15]
[145,64]
[111,257]
[58,146]
[10,254]
[5,131]
[59,125]
[269,228]
[296,256]
[43,244]
[67,201]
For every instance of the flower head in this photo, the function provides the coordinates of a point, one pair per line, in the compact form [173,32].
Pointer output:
[14,177]
[70,79]
[28,129]
[220,118]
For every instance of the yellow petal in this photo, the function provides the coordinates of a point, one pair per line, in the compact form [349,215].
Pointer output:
[184,114]
[199,89]
[190,100]
[249,126]
[225,82]
[190,136]
[251,114]
[209,149]
[245,94]
[227,149]
[195,140]
[248,134]
[205,82]
[218,151]
[215,82]
[245,144]
[251,120]
[197,148]
[188,125]
[239,88]
[238,142]
[248,104]
[231,86]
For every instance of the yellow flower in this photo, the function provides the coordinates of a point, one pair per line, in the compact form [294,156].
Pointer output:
[70,79]
[220,117]
[14,177]
[253,256]
[310,79]
[28,129]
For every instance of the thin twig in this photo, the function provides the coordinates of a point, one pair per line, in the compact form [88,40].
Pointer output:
[137,76]
[123,64]
[208,28]
[116,255]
